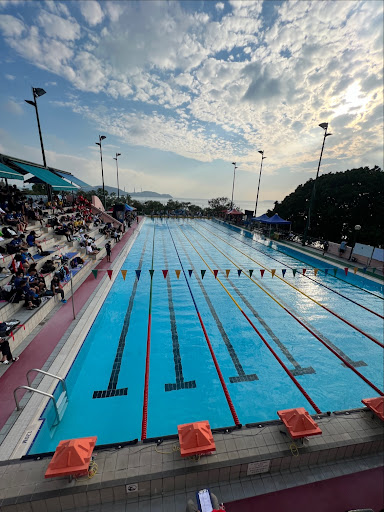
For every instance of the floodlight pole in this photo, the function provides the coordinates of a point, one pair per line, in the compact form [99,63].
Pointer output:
[233,184]
[258,187]
[325,128]
[101,138]
[117,174]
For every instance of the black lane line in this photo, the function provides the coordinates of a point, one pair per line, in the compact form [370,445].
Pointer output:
[241,375]
[112,385]
[180,382]
[299,370]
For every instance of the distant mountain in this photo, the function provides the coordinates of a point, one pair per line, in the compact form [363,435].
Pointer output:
[145,193]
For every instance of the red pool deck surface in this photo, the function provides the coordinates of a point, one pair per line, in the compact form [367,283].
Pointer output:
[41,347]
[361,490]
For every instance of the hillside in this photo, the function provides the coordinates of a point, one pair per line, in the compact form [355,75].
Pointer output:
[343,200]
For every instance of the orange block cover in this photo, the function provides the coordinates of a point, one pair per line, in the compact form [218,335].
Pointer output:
[299,423]
[376,405]
[195,438]
[72,457]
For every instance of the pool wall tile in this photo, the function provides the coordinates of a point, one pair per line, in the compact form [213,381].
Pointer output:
[80,499]
[94,497]
[39,506]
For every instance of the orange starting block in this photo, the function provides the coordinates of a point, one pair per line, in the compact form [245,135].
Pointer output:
[196,439]
[299,423]
[72,457]
[376,405]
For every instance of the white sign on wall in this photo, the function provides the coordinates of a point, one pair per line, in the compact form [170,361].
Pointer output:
[378,254]
[254,468]
[363,250]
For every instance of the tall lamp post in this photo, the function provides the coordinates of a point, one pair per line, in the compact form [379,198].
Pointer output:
[324,126]
[101,138]
[233,184]
[258,187]
[357,229]
[117,173]
[37,92]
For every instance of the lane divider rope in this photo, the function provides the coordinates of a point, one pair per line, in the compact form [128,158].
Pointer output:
[288,372]
[372,338]
[298,320]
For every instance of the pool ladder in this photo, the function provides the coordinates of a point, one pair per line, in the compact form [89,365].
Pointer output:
[60,404]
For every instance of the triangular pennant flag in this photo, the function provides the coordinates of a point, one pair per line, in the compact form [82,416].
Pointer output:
[165,272]
[283,271]
[177,273]
[326,271]
[151,272]
[335,271]
[294,270]
[227,272]
[109,272]
[124,274]
[239,271]
[346,270]
[250,273]
[374,270]
[190,272]
[262,272]
[138,272]
[94,272]
[364,269]
[355,270]
[273,271]
[215,273]
[203,273]
[304,271]
[315,271]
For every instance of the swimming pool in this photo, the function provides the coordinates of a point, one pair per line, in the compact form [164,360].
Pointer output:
[185,345]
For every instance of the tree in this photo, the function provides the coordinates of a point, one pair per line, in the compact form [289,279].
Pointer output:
[343,200]
[219,204]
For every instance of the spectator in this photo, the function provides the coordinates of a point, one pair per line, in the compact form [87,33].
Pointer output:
[7,356]
[56,288]
[31,241]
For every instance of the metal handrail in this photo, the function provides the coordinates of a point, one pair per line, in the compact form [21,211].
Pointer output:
[36,391]
[49,375]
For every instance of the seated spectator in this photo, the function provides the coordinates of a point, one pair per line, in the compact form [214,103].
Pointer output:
[37,281]
[57,288]
[25,257]
[7,356]
[32,299]
[32,242]
[15,244]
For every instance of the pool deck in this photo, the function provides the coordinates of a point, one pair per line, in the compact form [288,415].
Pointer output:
[247,462]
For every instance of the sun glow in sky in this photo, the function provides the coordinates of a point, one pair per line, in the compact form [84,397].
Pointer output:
[182,89]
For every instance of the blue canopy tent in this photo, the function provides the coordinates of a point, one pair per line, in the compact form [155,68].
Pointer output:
[261,218]
[276,219]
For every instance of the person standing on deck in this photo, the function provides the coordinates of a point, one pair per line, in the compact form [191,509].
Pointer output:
[108,248]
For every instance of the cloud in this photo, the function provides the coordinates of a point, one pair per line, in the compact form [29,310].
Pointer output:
[219,6]
[262,86]
[58,27]
[10,77]
[13,107]
[92,12]
[11,26]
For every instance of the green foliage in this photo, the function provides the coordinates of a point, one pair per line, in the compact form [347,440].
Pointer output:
[342,200]
[219,204]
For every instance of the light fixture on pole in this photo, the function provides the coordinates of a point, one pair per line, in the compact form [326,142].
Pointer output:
[357,229]
[258,187]
[102,137]
[233,184]
[117,173]
[324,126]
[37,92]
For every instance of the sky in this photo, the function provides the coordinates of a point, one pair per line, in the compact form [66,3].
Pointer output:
[183,89]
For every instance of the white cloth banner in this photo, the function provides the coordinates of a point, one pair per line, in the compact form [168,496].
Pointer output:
[378,254]
[363,250]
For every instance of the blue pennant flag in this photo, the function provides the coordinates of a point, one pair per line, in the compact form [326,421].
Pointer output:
[138,272]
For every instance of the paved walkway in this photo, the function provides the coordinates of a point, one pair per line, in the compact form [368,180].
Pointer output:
[40,348]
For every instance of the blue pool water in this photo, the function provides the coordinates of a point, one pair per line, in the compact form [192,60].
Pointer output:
[106,382]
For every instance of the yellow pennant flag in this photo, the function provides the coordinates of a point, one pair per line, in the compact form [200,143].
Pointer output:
[273,270]
[124,273]
[315,271]
[177,273]
[355,270]
[227,272]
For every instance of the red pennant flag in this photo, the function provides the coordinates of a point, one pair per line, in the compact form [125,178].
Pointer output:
[138,272]
[273,271]
[151,272]
[109,272]
[250,273]
[124,274]
[177,273]
[203,273]
[304,271]
[215,272]
[262,270]
[95,272]
[346,270]
[227,272]
[165,272]
[190,272]
[283,271]
[239,272]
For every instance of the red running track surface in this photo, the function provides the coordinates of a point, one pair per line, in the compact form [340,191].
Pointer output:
[358,490]
[41,347]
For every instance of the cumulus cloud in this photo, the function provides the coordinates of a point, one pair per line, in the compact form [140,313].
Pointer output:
[92,12]
[11,26]
[56,26]
[13,107]
[10,77]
